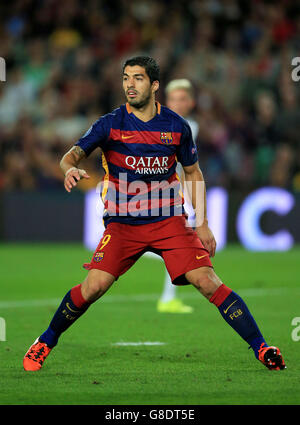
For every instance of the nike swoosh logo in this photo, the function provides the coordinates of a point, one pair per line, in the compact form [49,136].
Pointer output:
[199,258]
[74,311]
[126,137]
[225,311]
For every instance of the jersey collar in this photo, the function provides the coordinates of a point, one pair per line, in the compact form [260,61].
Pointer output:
[158,108]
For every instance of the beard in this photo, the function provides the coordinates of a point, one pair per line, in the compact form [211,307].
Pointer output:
[139,104]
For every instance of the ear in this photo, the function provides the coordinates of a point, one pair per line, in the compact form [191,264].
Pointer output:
[155,86]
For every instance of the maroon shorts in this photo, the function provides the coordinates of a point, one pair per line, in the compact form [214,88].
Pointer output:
[178,244]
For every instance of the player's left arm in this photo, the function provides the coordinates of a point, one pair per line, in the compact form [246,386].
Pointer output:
[195,184]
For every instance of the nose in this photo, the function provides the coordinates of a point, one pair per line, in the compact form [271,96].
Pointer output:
[130,83]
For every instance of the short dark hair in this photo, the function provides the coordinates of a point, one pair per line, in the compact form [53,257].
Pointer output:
[150,65]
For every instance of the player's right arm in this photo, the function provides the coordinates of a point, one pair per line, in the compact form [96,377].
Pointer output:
[94,138]
[69,166]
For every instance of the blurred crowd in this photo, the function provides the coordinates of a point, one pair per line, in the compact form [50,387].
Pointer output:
[64,71]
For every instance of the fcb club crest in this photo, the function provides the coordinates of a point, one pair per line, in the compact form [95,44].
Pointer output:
[98,257]
[166,138]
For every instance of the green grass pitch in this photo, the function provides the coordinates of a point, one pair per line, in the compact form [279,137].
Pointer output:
[202,361]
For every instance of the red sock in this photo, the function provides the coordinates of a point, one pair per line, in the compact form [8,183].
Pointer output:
[77,297]
[220,295]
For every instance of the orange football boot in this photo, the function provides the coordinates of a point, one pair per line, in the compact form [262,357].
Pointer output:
[271,357]
[35,356]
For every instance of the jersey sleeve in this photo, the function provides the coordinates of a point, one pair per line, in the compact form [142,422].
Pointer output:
[187,151]
[95,136]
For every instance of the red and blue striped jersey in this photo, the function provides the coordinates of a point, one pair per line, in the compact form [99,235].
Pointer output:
[141,184]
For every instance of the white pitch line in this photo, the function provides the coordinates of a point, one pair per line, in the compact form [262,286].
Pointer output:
[54,302]
[30,303]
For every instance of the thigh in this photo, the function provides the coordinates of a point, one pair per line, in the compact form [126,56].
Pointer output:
[181,249]
[117,250]
[180,261]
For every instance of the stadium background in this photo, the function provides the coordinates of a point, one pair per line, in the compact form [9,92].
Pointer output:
[63,72]
[63,68]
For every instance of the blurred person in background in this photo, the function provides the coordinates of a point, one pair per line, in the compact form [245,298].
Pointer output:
[180,99]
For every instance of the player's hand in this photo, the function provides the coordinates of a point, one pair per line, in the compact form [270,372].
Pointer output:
[73,175]
[207,238]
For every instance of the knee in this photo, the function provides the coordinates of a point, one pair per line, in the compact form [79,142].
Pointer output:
[93,290]
[95,285]
[207,282]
